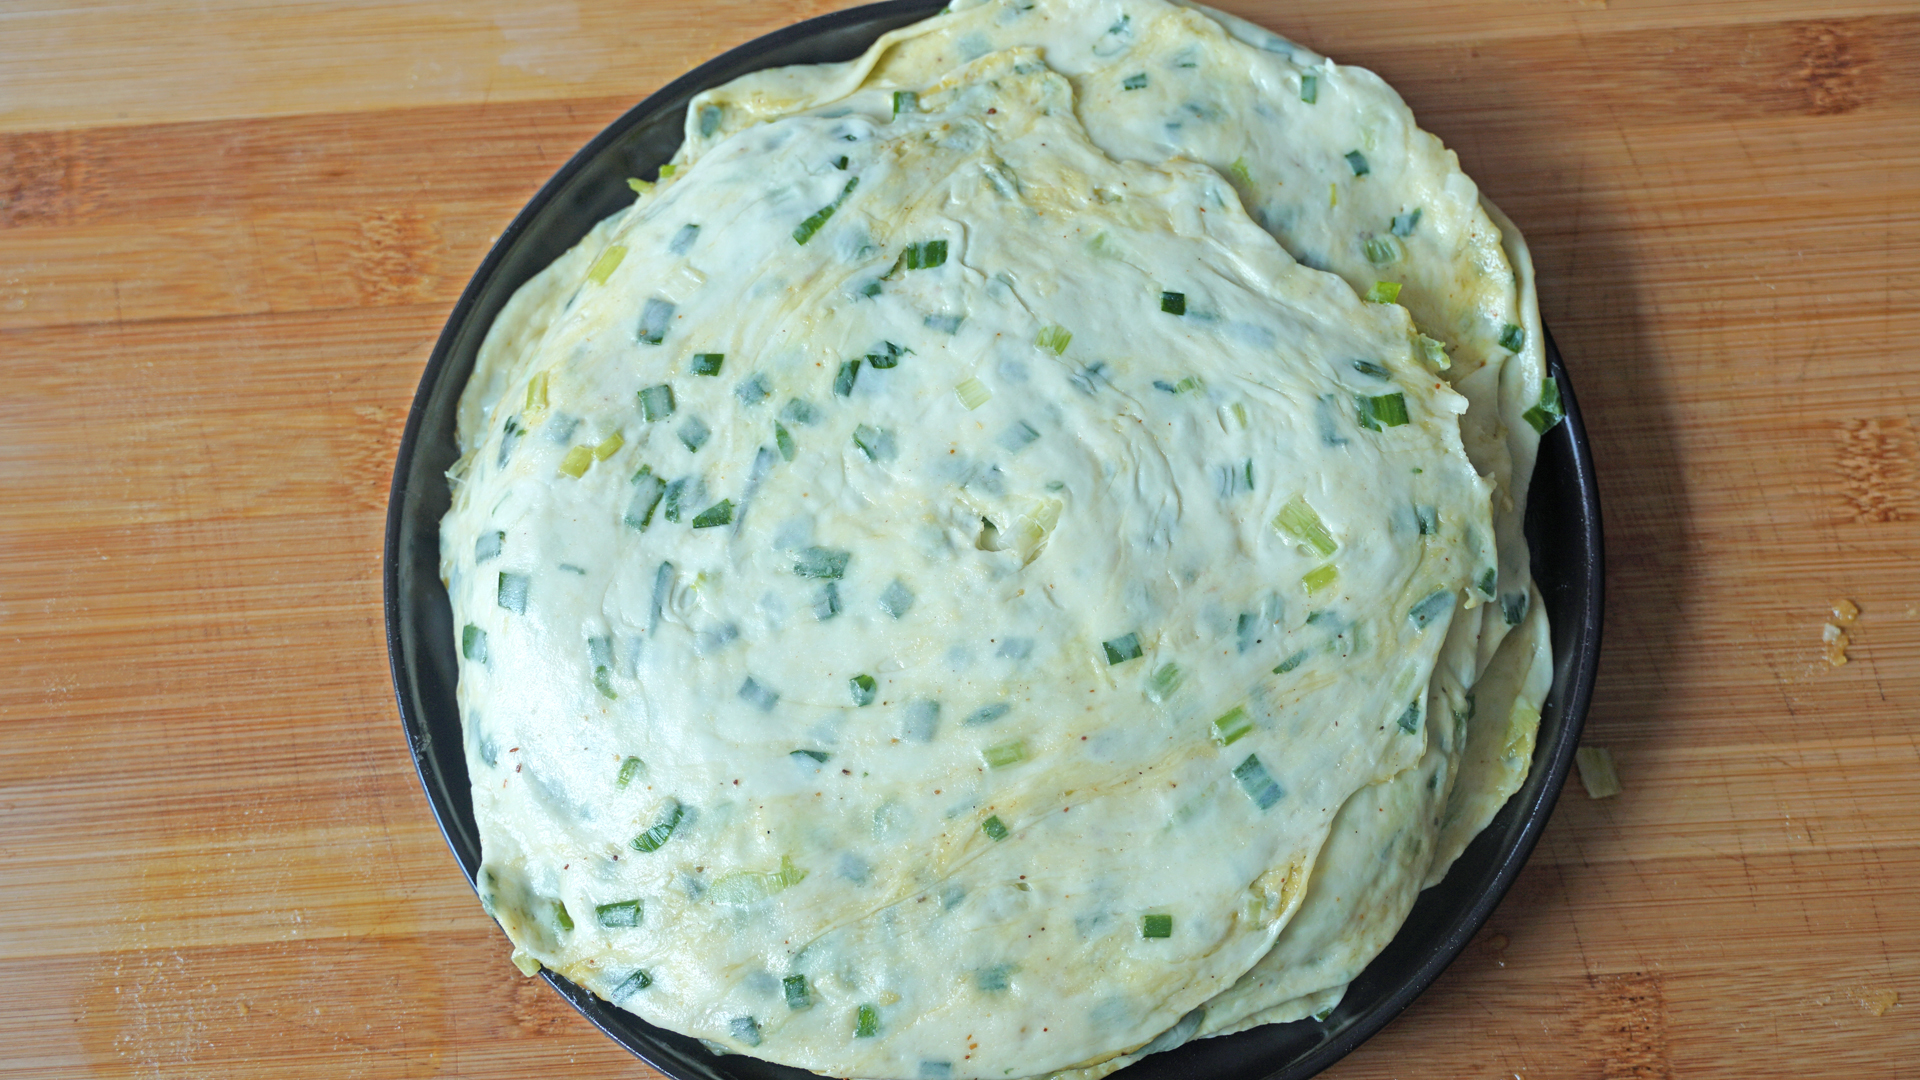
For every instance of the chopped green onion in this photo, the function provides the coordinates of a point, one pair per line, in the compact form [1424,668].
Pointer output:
[987,714]
[656,402]
[1290,662]
[487,545]
[537,392]
[887,355]
[920,721]
[876,444]
[994,978]
[1134,82]
[694,434]
[826,604]
[654,320]
[1173,303]
[662,829]
[1323,1013]
[798,995]
[820,562]
[473,643]
[1428,519]
[1489,582]
[683,240]
[1512,338]
[668,170]
[1597,772]
[796,411]
[1368,367]
[631,985]
[709,120]
[818,757]
[1383,292]
[783,441]
[675,492]
[1381,250]
[1053,338]
[1300,523]
[720,513]
[863,690]
[1382,412]
[1435,352]
[973,393]
[606,264]
[946,324]
[1431,608]
[1156,926]
[751,391]
[994,828]
[746,1029]
[1513,607]
[1232,726]
[512,593]
[840,162]
[1310,88]
[760,697]
[1410,720]
[905,101]
[561,917]
[896,599]
[647,489]
[867,1024]
[609,446]
[1241,172]
[1319,578]
[708,363]
[843,382]
[1122,649]
[804,231]
[1189,384]
[621,913]
[1018,437]
[1164,682]
[1257,782]
[603,682]
[639,186]
[924,255]
[1549,411]
[1404,224]
[576,462]
[1001,755]
[628,769]
[1359,162]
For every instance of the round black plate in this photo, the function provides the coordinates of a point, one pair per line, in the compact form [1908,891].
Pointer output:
[1563,523]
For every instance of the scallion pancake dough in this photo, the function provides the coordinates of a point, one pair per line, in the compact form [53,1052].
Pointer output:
[928,589]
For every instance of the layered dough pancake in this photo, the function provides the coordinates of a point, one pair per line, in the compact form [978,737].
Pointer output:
[944,593]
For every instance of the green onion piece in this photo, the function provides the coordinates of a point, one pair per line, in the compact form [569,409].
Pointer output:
[820,562]
[867,1025]
[668,170]
[656,402]
[694,434]
[1122,649]
[628,770]
[609,446]
[1380,413]
[537,392]
[1310,88]
[1597,772]
[973,393]
[1435,352]
[1513,607]
[1156,926]
[1512,338]
[843,382]
[1001,755]
[994,828]
[1368,367]
[798,995]
[1300,523]
[487,545]
[746,1029]
[1381,250]
[662,829]
[1549,411]
[647,489]
[576,462]
[1404,224]
[603,682]
[1359,162]
[676,492]
[683,240]
[796,411]
[512,593]
[1018,437]
[473,643]
[826,605]
[751,391]
[620,913]
[707,363]
[905,101]
[1428,518]
[654,320]
[639,186]
[1319,578]
[783,441]
[994,978]
[840,162]
[1053,338]
[1323,1013]
[1431,608]
[987,714]
[804,231]
[1489,582]
[1410,720]
[886,355]
[720,513]
[1136,81]
[631,985]
[896,599]
[863,690]
[1189,384]
[924,255]
[1290,662]
[1173,303]
[1383,292]
[561,917]
[1241,172]
[876,444]
[946,324]
[743,887]
[709,120]
[1257,782]
[818,757]
[604,266]
[1233,726]
[1164,682]
[761,697]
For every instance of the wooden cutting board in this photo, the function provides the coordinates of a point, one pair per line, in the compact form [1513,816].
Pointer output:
[229,234]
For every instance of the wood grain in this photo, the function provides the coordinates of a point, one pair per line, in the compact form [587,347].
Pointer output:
[229,234]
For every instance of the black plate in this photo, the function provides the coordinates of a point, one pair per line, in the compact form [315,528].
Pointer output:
[1563,523]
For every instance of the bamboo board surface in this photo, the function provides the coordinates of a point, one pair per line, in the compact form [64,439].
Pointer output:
[229,234]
